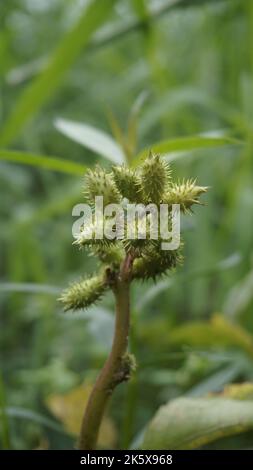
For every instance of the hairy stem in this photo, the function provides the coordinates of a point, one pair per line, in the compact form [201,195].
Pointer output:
[116,368]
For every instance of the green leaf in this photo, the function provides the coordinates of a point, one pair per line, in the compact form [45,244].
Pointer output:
[186,144]
[94,139]
[38,92]
[41,161]
[190,423]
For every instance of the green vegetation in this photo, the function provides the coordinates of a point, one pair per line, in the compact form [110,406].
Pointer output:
[105,84]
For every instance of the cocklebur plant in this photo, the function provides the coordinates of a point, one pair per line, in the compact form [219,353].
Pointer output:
[123,261]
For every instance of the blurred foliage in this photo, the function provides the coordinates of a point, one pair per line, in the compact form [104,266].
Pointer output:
[173,75]
[67,408]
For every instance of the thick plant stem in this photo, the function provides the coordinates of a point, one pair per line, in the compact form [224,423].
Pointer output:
[116,368]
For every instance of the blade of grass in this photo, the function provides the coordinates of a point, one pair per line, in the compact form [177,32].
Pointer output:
[38,92]
[94,139]
[105,37]
[28,287]
[44,162]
